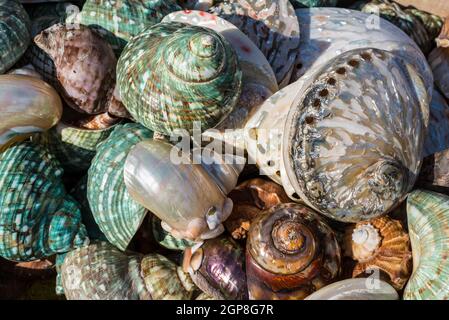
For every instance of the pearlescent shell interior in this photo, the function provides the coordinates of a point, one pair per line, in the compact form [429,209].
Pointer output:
[27,105]
[356,289]
[428,223]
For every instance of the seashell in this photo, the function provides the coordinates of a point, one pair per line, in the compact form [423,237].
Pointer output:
[102,272]
[356,289]
[290,253]
[434,173]
[250,198]
[123,19]
[115,212]
[27,105]
[218,268]
[437,8]
[165,239]
[313,3]
[432,23]
[428,220]
[14,33]
[271,25]
[381,244]
[38,218]
[27,70]
[408,22]
[439,61]
[85,68]
[154,83]
[171,185]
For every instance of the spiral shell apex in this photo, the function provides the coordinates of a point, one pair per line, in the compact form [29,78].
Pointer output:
[173,74]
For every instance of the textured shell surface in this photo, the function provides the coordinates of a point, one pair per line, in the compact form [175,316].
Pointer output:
[356,289]
[290,253]
[428,221]
[171,185]
[157,83]
[38,218]
[115,212]
[271,25]
[437,138]
[27,105]
[14,33]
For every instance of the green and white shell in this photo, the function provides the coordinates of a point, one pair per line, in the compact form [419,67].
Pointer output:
[14,33]
[428,224]
[115,212]
[101,272]
[38,218]
[174,74]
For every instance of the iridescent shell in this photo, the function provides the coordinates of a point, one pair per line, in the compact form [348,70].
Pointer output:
[166,86]
[428,221]
[120,20]
[313,3]
[356,289]
[165,239]
[290,253]
[250,198]
[27,105]
[115,212]
[14,33]
[38,218]
[171,185]
[437,138]
[383,244]
[271,25]
[85,68]
[102,272]
[217,267]
[439,60]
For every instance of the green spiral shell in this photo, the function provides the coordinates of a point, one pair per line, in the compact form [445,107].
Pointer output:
[117,215]
[37,218]
[173,74]
[14,33]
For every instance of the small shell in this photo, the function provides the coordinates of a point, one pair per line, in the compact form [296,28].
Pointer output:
[27,105]
[115,212]
[38,219]
[356,289]
[381,243]
[290,253]
[14,33]
[428,221]
[159,88]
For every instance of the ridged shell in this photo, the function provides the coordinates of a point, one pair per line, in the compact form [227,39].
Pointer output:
[27,105]
[356,289]
[271,25]
[165,86]
[290,253]
[14,33]
[38,218]
[120,20]
[428,221]
[101,272]
[115,212]
[165,239]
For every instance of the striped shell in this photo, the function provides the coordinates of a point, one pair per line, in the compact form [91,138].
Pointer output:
[101,272]
[272,26]
[166,86]
[428,221]
[27,105]
[38,218]
[14,33]
[115,212]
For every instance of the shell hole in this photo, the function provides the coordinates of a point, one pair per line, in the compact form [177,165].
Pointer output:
[324,93]
[353,63]
[341,70]
[331,81]
[299,66]
[317,103]
[309,119]
[366,56]
[295,196]
[270,163]
[278,173]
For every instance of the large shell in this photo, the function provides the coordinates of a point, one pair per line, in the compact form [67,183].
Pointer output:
[27,105]
[14,33]
[383,244]
[171,185]
[85,67]
[356,289]
[116,213]
[271,25]
[291,252]
[166,86]
[101,272]
[218,268]
[428,221]
[38,218]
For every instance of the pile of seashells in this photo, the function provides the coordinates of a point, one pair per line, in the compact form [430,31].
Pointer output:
[223,149]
